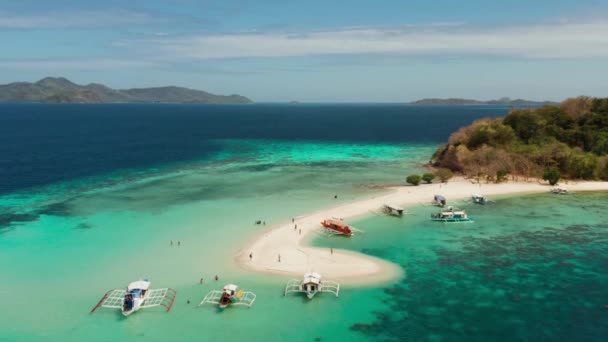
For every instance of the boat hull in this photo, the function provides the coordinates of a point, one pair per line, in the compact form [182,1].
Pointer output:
[451,220]
[311,294]
[136,306]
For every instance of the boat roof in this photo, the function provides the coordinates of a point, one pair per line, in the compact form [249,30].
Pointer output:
[336,222]
[312,277]
[440,197]
[231,287]
[394,207]
[139,284]
[477,195]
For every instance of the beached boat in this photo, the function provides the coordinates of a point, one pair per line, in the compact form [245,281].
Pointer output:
[479,199]
[392,210]
[137,296]
[311,284]
[451,216]
[336,226]
[559,191]
[229,295]
[439,200]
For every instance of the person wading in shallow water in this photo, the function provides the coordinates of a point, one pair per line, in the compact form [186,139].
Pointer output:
[216,278]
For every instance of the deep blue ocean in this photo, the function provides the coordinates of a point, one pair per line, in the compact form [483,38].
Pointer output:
[92,195]
[42,144]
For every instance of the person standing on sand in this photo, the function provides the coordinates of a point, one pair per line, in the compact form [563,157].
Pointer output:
[279,257]
[293,220]
[331,250]
[295,227]
[300,231]
[250,255]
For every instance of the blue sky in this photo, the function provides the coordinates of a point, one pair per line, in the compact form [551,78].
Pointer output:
[326,51]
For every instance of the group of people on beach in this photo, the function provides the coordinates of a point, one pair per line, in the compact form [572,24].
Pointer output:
[295,226]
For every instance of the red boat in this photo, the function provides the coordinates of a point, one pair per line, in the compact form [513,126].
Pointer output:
[337,227]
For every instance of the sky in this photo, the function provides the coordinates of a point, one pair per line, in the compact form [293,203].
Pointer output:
[315,50]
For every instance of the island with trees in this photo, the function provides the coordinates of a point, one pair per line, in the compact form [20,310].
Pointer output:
[569,140]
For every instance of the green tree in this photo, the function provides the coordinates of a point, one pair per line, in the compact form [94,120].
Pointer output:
[583,165]
[601,144]
[552,175]
[444,174]
[525,123]
[501,175]
[428,178]
[413,179]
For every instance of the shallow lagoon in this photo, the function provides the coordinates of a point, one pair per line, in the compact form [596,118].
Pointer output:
[530,268]
[73,241]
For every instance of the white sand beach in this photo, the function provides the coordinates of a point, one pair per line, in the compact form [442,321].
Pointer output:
[355,268]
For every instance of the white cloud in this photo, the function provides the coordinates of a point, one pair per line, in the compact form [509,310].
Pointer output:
[557,40]
[72,64]
[74,19]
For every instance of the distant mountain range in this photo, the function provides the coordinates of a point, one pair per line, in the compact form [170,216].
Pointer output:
[62,90]
[505,101]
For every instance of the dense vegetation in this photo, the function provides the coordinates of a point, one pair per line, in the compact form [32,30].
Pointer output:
[569,140]
[413,179]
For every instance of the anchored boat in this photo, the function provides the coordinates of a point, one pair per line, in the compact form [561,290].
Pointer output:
[137,296]
[451,216]
[335,226]
[439,200]
[230,295]
[311,285]
[559,191]
[392,210]
[479,199]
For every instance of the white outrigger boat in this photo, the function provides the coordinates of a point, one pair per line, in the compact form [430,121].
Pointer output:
[136,296]
[230,295]
[451,216]
[559,191]
[479,199]
[392,210]
[439,201]
[311,285]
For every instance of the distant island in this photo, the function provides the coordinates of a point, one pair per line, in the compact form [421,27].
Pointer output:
[62,90]
[505,101]
[567,140]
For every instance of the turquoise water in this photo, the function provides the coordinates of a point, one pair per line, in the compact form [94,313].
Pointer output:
[531,268]
[68,243]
